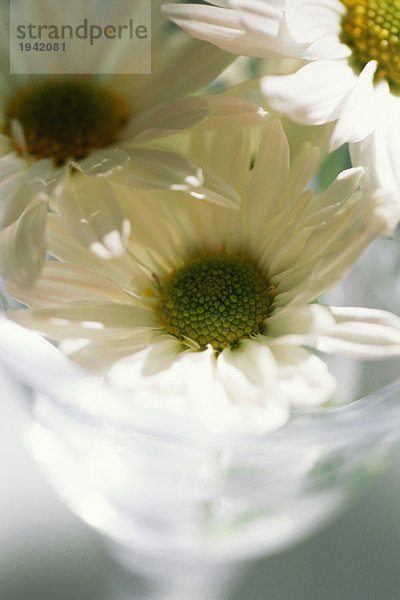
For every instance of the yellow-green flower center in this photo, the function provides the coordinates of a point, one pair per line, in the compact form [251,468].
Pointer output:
[216,300]
[66,119]
[371,28]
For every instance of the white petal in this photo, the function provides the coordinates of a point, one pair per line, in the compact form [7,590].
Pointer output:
[209,148]
[15,201]
[267,180]
[339,191]
[102,162]
[378,154]
[60,283]
[160,368]
[23,245]
[92,214]
[216,190]
[310,20]
[359,115]
[372,153]
[313,95]
[99,355]
[221,27]
[327,47]
[45,178]
[122,269]
[193,388]
[362,333]
[84,320]
[229,111]
[256,363]
[164,351]
[289,30]
[157,169]
[13,173]
[304,377]
[249,374]
[208,112]
[299,324]
[167,119]
[263,18]
[184,383]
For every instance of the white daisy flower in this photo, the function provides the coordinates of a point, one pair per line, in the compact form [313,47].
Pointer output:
[104,127]
[210,311]
[348,69]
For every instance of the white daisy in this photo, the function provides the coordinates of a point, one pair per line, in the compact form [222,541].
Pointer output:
[348,69]
[209,310]
[104,127]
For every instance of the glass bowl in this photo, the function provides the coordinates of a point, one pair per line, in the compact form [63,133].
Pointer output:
[177,503]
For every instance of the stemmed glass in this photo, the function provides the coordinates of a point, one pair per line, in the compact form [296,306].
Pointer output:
[179,505]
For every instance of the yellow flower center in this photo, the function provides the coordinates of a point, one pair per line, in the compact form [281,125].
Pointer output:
[66,119]
[216,300]
[371,28]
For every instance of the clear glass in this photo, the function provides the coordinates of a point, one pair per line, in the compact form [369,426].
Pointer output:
[178,504]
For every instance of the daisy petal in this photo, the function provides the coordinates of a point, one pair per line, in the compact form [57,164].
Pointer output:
[304,377]
[312,95]
[92,213]
[373,153]
[84,320]
[378,154]
[363,333]
[268,21]
[232,167]
[15,204]
[310,20]
[167,119]
[98,355]
[221,27]
[103,162]
[299,324]
[380,179]
[122,269]
[162,355]
[250,372]
[229,111]
[216,190]
[209,112]
[13,170]
[339,191]
[354,124]
[158,169]
[261,16]
[23,245]
[45,178]
[273,158]
[327,47]
[63,283]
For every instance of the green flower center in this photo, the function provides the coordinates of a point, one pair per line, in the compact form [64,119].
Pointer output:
[66,119]
[216,300]
[371,28]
